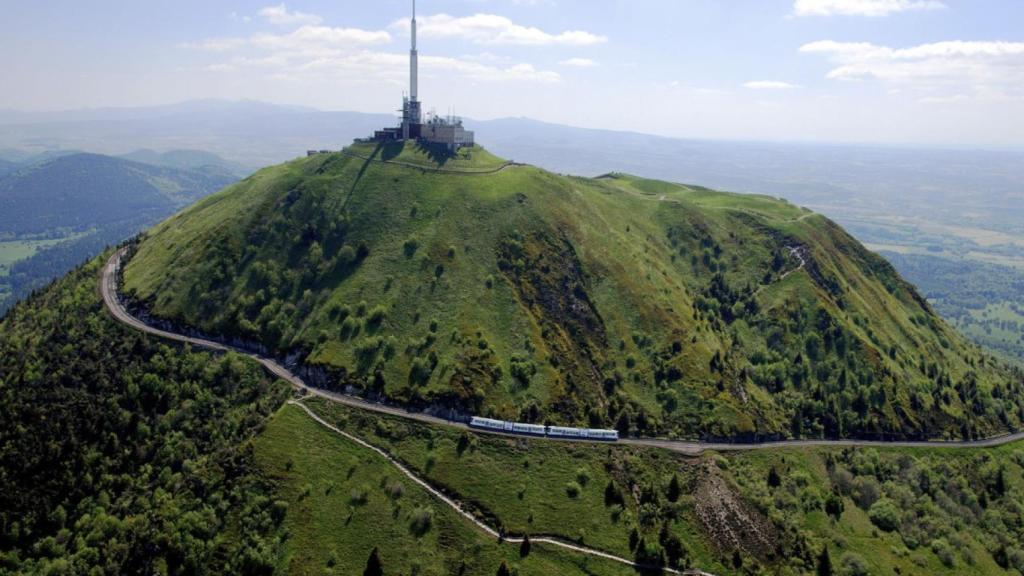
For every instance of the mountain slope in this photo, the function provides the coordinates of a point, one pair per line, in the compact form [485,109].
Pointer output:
[188,160]
[654,307]
[81,191]
[121,455]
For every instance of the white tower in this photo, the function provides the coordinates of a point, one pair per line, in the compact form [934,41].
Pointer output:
[413,61]
[411,116]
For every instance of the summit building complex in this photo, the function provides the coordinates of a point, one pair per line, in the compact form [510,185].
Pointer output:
[441,130]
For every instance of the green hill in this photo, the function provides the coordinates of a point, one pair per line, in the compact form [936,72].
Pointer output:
[81,191]
[658,308]
[57,211]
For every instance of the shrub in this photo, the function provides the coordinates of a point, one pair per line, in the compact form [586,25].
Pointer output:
[422,519]
[376,316]
[885,515]
[865,491]
[410,246]
[854,564]
[358,496]
[582,476]
[394,489]
[572,489]
[944,552]
[349,328]
[346,256]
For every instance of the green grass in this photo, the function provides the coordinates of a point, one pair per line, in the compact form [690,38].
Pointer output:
[509,480]
[468,159]
[15,250]
[339,507]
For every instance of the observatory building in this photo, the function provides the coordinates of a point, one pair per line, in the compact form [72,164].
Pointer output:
[444,130]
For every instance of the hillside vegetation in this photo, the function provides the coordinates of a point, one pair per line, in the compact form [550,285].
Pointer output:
[120,454]
[869,511]
[657,308]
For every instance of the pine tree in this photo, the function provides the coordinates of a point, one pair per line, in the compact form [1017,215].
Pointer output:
[1000,487]
[673,489]
[503,570]
[524,548]
[373,564]
[824,562]
[773,478]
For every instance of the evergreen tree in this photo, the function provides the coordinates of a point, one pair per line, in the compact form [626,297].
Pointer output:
[503,570]
[824,562]
[834,505]
[524,548]
[674,490]
[373,564]
[773,478]
[1000,484]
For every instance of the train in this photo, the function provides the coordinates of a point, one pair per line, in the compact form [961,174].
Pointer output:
[504,427]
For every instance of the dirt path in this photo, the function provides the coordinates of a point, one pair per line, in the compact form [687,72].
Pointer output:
[457,507]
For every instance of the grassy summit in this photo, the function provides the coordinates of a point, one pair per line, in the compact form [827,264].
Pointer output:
[617,301]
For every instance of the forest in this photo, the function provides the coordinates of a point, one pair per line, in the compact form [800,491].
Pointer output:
[122,454]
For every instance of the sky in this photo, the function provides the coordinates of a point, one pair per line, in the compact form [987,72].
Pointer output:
[921,72]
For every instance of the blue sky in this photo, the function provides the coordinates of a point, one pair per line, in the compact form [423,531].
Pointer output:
[936,72]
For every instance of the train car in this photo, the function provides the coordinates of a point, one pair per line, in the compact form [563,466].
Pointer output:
[607,435]
[537,430]
[489,424]
[531,429]
[566,432]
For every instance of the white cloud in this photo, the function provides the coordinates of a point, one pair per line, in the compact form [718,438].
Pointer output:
[986,69]
[215,44]
[769,85]
[219,68]
[316,39]
[280,16]
[387,66]
[579,62]
[495,29]
[861,7]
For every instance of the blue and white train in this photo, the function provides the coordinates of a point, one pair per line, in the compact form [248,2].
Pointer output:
[538,430]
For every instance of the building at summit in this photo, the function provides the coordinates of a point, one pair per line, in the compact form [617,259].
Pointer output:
[440,130]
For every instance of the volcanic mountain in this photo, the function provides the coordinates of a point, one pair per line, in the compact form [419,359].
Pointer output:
[473,284]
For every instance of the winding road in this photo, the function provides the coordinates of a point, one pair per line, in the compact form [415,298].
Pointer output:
[108,288]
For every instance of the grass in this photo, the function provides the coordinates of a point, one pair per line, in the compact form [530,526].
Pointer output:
[521,485]
[341,503]
[15,250]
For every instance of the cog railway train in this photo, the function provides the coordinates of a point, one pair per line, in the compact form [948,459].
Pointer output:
[538,430]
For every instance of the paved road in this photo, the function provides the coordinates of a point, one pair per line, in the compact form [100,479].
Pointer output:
[108,288]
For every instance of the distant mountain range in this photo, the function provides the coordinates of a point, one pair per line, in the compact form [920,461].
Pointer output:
[91,200]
